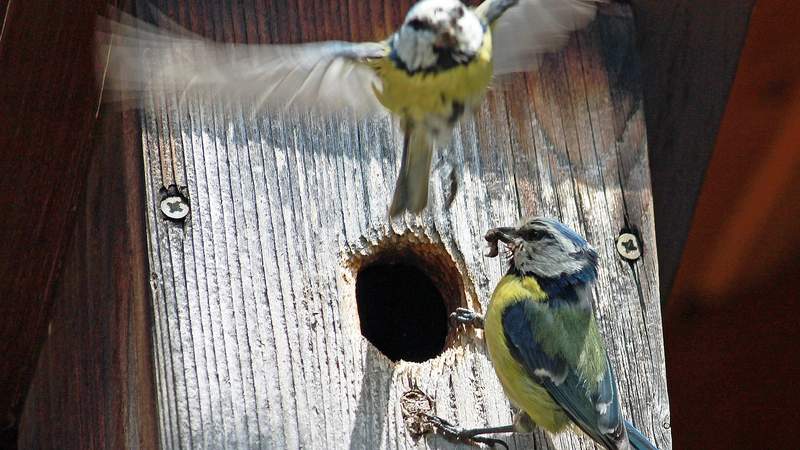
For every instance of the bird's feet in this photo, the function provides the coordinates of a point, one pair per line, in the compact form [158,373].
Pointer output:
[451,188]
[454,433]
[466,316]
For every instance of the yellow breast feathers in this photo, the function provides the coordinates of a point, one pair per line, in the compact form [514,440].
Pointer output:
[418,95]
[521,389]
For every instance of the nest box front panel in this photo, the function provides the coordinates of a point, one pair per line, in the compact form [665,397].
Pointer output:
[291,312]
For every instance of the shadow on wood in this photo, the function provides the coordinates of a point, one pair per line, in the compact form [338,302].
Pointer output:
[690,49]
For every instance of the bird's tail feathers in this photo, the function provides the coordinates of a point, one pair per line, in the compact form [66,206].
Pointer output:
[637,439]
[411,190]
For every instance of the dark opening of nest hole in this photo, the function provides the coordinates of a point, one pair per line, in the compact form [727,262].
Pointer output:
[405,296]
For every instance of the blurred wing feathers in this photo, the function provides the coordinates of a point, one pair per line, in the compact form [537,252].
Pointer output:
[167,59]
[532,27]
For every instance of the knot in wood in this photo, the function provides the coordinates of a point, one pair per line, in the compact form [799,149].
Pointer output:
[416,406]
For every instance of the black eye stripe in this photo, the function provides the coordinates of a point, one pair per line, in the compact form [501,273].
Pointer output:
[536,235]
[419,24]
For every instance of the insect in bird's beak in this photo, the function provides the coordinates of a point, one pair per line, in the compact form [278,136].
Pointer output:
[506,235]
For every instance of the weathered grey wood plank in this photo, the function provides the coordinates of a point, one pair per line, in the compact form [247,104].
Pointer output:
[257,334]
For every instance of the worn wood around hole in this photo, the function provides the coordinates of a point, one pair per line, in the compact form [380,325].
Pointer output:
[257,339]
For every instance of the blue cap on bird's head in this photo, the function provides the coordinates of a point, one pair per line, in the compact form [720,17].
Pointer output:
[546,248]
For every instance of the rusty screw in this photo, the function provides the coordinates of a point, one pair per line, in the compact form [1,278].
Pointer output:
[416,407]
[628,246]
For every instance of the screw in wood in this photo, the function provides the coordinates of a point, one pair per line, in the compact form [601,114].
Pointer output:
[173,204]
[628,246]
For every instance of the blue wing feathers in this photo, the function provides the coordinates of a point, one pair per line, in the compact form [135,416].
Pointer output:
[524,348]
[564,383]
[637,439]
[580,409]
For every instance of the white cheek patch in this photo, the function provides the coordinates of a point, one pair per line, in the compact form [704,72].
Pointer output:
[415,48]
[547,260]
[471,33]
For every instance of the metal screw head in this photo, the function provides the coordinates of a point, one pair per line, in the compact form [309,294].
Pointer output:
[173,205]
[628,246]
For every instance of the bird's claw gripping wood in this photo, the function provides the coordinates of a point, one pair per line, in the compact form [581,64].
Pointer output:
[466,316]
[452,188]
[454,433]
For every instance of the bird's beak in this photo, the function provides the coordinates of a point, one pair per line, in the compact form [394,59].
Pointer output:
[445,39]
[507,235]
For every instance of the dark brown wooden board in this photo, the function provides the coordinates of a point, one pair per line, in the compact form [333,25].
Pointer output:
[690,51]
[48,100]
[257,336]
[93,385]
[732,284]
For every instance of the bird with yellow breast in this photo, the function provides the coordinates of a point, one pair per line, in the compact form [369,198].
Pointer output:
[544,342]
[431,72]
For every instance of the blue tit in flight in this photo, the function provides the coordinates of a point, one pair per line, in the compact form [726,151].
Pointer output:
[431,72]
[543,339]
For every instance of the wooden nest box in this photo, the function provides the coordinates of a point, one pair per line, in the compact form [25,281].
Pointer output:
[290,312]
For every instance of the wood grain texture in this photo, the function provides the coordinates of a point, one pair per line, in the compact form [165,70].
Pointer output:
[94,386]
[48,100]
[690,50]
[257,339]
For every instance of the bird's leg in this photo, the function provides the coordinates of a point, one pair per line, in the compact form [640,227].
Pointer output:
[523,422]
[452,187]
[452,432]
[447,171]
[466,316]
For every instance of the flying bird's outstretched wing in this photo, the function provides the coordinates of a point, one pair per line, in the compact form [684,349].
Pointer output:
[531,27]
[167,59]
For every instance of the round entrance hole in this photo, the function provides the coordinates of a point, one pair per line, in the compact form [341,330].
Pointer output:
[405,293]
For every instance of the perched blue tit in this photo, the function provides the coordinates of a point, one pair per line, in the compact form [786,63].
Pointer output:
[431,72]
[543,339]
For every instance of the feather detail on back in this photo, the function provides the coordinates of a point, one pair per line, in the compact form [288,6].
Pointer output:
[551,361]
[168,60]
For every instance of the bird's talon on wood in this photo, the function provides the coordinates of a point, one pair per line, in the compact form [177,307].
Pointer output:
[452,188]
[452,432]
[491,442]
[466,316]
